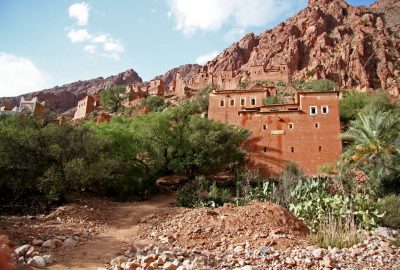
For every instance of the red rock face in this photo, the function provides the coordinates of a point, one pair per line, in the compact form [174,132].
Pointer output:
[186,71]
[63,98]
[353,46]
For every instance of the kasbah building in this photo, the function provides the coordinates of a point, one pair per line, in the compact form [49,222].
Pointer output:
[305,129]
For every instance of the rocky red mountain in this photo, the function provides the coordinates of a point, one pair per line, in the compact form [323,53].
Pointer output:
[353,46]
[62,98]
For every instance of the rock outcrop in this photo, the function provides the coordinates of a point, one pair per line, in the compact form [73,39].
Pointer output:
[187,71]
[354,46]
[63,98]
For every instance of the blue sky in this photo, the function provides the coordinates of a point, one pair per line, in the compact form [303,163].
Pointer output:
[47,43]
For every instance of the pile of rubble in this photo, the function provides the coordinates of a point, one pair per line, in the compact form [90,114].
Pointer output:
[377,252]
[218,229]
[38,252]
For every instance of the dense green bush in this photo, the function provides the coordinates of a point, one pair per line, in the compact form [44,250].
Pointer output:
[391,206]
[112,98]
[121,158]
[354,102]
[187,196]
[318,85]
[271,100]
[154,103]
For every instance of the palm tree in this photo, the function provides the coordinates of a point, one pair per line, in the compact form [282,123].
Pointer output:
[374,144]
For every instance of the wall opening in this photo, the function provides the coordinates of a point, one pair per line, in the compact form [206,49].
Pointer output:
[313,110]
[265,149]
[242,101]
[253,101]
[292,149]
[264,127]
[317,125]
[290,125]
[221,103]
[320,149]
[324,109]
[232,102]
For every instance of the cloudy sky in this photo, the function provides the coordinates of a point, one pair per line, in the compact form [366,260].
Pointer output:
[47,43]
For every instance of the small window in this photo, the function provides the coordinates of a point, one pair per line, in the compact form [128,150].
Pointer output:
[317,125]
[265,149]
[232,102]
[320,149]
[325,109]
[253,101]
[292,149]
[242,101]
[290,125]
[313,110]
[264,127]
[222,103]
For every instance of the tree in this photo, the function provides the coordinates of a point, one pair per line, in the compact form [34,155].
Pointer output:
[112,98]
[154,103]
[319,85]
[374,145]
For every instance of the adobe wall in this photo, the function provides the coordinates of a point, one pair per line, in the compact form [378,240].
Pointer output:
[309,140]
[233,102]
[84,107]
[276,73]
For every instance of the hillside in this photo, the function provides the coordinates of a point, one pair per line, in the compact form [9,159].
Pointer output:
[353,46]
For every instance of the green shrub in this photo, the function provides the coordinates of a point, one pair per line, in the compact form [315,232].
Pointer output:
[319,85]
[187,196]
[271,100]
[326,168]
[154,103]
[391,206]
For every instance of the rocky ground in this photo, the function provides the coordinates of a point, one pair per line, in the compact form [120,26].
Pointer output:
[93,233]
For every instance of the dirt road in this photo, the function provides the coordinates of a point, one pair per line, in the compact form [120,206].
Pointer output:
[98,251]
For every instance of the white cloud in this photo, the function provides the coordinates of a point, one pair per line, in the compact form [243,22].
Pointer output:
[90,49]
[78,35]
[211,15]
[203,59]
[113,48]
[100,38]
[79,12]
[19,75]
[95,44]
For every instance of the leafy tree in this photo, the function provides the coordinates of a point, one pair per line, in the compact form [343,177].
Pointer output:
[271,100]
[202,98]
[319,85]
[112,98]
[154,103]
[355,102]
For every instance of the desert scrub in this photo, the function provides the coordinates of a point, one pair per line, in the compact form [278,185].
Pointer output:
[340,232]
[391,206]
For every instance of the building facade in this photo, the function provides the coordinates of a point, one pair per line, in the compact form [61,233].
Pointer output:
[86,106]
[306,132]
[32,106]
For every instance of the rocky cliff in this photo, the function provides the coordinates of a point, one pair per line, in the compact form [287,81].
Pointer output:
[62,98]
[354,46]
[187,71]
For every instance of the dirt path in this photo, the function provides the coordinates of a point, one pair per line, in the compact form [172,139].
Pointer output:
[98,251]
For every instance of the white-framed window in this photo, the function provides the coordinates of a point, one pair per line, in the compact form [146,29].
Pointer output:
[253,101]
[290,126]
[243,101]
[313,110]
[232,102]
[222,103]
[324,109]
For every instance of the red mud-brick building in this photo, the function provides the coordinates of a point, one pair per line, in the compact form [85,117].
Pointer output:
[307,132]
[86,106]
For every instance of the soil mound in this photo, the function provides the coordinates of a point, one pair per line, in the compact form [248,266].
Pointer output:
[257,223]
